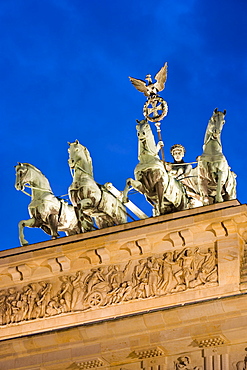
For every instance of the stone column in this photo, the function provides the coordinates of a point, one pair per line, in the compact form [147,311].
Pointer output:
[208,362]
[225,361]
[216,359]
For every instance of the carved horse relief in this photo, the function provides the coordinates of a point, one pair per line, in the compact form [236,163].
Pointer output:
[46,210]
[216,182]
[158,275]
[161,190]
[89,198]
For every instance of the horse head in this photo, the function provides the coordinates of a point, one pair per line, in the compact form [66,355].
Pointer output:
[21,176]
[142,128]
[147,145]
[26,173]
[80,157]
[73,153]
[216,123]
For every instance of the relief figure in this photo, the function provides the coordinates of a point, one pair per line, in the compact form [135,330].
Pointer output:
[166,272]
[65,293]
[183,363]
[153,276]
[43,297]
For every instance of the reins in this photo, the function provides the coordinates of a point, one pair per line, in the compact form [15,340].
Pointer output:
[25,192]
[41,189]
[80,168]
[36,188]
[33,187]
[181,164]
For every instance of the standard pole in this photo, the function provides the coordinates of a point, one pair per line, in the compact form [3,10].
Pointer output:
[157,124]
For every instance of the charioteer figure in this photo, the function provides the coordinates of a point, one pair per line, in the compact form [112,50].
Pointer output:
[186,174]
[178,169]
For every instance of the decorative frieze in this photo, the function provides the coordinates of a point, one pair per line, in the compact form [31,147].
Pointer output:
[153,276]
[243,272]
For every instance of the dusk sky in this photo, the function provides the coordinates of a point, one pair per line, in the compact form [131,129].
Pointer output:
[64,68]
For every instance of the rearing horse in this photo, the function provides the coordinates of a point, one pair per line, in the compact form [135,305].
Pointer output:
[46,210]
[89,198]
[161,190]
[215,178]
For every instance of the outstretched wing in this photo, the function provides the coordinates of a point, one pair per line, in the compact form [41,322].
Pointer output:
[140,85]
[161,78]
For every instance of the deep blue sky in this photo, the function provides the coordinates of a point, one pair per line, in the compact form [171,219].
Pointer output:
[64,67]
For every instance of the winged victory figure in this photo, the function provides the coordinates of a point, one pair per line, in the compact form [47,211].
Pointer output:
[150,88]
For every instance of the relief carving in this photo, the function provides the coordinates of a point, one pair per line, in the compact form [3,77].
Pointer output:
[243,271]
[153,276]
[242,365]
[183,363]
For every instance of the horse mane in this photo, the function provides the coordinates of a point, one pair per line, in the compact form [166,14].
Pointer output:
[87,154]
[150,141]
[88,158]
[33,167]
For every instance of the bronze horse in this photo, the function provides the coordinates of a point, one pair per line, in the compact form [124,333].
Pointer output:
[216,181]
[161,190]
[47,212]
[90,199]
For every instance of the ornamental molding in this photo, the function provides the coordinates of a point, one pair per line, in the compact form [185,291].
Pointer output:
[211,341]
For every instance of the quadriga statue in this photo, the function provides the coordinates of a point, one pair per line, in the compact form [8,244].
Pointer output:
[47,212]
[90,199]
[217,183]
[162,191]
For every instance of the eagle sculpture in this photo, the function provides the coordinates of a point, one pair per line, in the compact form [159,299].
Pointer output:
[150,88]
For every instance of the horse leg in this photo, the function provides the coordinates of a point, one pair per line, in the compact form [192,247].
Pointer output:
[104,221]
[135,184]
[85,222]
[126,190]
[220,183]
[159,188]
[203,181]
[78,217]
[21,225]
[230,186]
[53,225]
